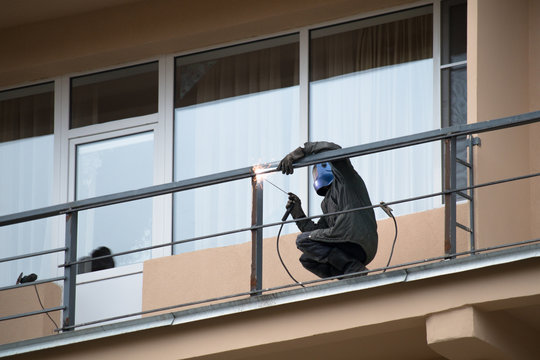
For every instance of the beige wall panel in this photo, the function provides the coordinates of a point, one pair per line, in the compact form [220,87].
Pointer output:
[534,96]
[224,271]
[22,300]
[499,33]
[146,29]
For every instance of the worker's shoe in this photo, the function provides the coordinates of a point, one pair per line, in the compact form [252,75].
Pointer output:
[354,269]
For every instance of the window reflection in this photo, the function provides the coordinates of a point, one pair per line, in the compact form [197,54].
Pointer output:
[107,167]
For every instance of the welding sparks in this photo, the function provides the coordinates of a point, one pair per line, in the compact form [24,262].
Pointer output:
[262,173]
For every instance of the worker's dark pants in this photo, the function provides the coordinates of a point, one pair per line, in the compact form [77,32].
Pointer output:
[326,259]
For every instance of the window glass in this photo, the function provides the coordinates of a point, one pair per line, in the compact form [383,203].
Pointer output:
[457,23]
[454,78]
[110,166]
[114,95]
[26,177]
[234,108]
[373,80]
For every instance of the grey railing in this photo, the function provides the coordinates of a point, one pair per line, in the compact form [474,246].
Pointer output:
[450,191]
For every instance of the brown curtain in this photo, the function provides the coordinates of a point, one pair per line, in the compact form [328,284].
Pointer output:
[371,47]
[114,95]
[236,75]
[26,116]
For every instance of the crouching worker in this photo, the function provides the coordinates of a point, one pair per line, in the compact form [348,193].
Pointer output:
[336,244]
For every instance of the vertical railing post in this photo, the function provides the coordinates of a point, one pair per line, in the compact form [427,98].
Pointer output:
[473,141]
[70,271]
[256,235]
[450,155]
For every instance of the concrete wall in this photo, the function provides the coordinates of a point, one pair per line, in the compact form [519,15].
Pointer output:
[534,104]
[139,30]
[224,271]
[22,300]
[503,80]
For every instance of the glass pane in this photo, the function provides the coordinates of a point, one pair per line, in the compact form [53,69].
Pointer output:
[458,32]
[369,44]
[374,83]
[235,108]
[457,115]
[114,95]
[453,31]
[107,167]
[26,178]
[205,218]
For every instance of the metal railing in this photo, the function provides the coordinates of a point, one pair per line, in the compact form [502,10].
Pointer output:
[448,135]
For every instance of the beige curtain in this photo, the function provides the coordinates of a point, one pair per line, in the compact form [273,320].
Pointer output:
[237,75]
[26,116]
[375,46]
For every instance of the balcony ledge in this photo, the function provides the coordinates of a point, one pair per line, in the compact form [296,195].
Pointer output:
[317,291]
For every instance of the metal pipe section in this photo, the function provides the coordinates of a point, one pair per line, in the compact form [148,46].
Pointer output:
[450,210]
[37,282]
[37,253]
[256,234]
[70,271]
[32,313]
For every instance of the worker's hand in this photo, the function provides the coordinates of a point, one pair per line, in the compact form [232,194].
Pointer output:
[285,165]
[294,205]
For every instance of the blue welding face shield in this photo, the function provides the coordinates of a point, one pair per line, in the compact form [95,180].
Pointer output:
[322,177]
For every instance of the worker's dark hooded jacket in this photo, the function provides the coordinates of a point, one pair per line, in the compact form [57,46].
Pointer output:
[347,191]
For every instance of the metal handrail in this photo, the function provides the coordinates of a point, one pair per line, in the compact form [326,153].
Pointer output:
[247,172]
[37,282]
[262,226]
[37,253]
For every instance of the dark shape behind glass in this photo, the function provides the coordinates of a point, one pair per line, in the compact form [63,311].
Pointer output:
[114,95]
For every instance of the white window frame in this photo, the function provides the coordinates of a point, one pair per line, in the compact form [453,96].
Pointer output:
[159,123]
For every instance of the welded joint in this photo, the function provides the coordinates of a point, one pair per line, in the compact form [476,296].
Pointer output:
[476,141]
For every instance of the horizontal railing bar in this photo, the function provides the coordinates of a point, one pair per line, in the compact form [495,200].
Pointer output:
[463,227]
[256,227]
[37,312]
[454,64]
[126,196]
[37,253]
[309,282]
[421,138]
[463,162]
[37,282]
[379,146]
[465,195]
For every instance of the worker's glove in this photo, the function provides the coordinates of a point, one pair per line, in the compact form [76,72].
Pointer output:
[285,165]
[294,205]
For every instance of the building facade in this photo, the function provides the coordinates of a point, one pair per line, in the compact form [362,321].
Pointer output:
[109,97]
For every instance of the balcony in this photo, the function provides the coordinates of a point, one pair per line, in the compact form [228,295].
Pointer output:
[449,269]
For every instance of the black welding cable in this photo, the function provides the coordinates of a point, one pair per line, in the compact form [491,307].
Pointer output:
[388,211]
[43,308]
[279,253]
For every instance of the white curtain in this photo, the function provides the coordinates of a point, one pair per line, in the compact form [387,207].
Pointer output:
[224,135]
[377,104]
[26,179]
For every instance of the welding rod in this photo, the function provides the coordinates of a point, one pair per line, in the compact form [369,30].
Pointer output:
[277,187]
